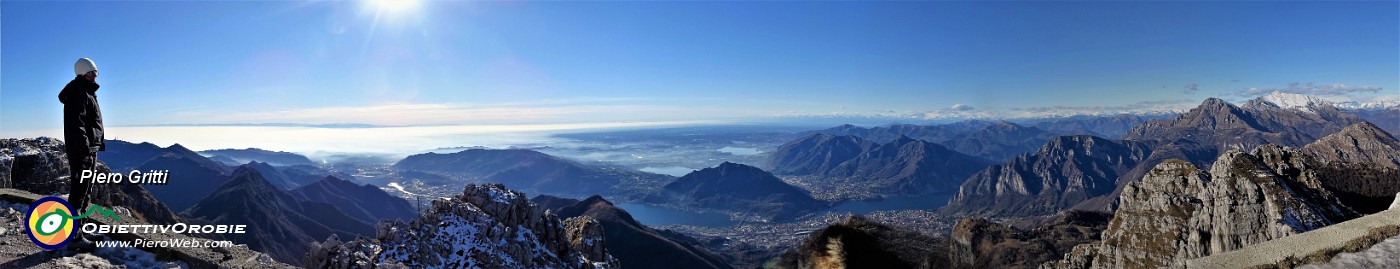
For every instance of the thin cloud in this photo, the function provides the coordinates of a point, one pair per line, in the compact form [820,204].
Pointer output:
[1328,90]
[417,114]
[961,107]
[1144,107]
[951,113]
[1190,88]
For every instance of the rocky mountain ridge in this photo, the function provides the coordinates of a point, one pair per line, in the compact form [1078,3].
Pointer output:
[1065,171]
[901,166]
[1361,143]
[487,226]
[278,223]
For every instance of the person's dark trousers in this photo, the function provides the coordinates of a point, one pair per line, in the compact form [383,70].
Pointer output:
[78,192]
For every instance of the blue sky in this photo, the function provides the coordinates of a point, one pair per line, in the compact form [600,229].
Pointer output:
[504,63]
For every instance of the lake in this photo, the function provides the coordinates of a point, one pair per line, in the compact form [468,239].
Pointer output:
[675,171]
[656,216]
[740,151]
[651,215]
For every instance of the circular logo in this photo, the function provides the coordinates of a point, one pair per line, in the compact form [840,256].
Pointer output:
[50,223]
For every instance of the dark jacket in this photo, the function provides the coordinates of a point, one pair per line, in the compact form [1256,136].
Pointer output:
[82,118]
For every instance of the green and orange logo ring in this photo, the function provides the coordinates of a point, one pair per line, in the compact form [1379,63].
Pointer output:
[50,222]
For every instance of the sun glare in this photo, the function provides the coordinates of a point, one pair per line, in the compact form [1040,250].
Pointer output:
[394,7]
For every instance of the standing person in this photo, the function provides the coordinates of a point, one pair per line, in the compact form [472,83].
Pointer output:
[82,132]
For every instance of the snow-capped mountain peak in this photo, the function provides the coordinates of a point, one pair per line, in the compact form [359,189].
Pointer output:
[1371,105]
[1294,101]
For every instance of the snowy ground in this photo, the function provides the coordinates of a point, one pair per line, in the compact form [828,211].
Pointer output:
[1385,254]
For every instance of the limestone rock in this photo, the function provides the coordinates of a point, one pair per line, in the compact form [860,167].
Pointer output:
[586,235]
[1179,212]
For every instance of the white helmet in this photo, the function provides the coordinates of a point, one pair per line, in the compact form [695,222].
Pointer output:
[83,66]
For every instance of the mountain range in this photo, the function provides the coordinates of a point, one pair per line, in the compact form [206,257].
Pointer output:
[1278,118]
[1100,126]
[278,223]
[901,166]
[242,156]
[988,140]
[1092,180]
[999,141]
[190,178]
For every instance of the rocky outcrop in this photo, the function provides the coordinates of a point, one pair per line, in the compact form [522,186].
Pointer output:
[585,234]
[635,245]
[1360,143]
[1065,171]
[40,165]
[1179,212]
[487,226]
